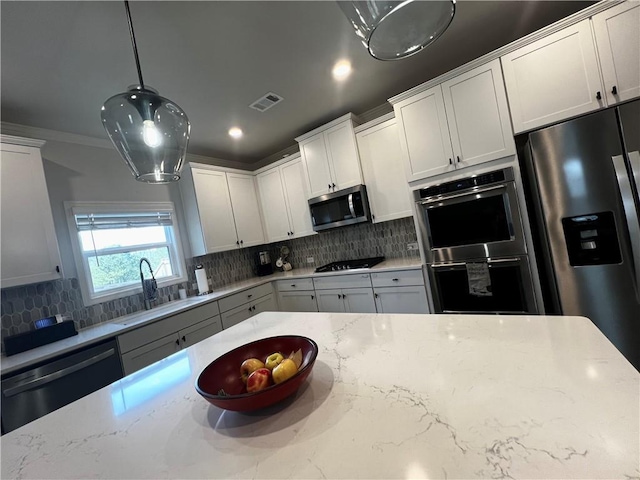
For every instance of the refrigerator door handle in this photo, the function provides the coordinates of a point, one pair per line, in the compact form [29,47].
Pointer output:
[624,183]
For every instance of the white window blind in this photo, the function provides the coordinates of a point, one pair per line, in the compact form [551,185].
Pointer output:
[99,221]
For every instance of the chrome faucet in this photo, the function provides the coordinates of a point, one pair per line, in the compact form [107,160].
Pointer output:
[149,286]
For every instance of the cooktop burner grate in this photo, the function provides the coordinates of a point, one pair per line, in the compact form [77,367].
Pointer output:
[350,264]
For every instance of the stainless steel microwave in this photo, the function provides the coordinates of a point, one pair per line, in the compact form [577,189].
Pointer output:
[337,209]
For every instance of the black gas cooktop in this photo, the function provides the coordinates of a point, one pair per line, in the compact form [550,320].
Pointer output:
[350,264]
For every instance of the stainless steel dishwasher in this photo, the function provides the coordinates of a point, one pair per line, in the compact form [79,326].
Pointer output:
[30,394]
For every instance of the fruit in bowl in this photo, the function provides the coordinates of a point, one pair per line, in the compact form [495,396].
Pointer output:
[259,380]
[220,383]
[249,366]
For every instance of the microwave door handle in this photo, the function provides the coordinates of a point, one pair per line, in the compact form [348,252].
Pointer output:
[624,183]
[442,198]
[351,208]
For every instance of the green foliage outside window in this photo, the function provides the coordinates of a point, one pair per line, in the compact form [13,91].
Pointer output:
[113,270]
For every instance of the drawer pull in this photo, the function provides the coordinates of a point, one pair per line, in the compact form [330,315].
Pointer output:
[293,284]
[394,279]
[614,90]
[249,296]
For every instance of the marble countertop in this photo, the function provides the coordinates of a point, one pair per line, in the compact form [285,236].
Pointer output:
[106,330]
[390,396]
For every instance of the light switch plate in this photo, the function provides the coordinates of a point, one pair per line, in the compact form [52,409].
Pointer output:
[310,260]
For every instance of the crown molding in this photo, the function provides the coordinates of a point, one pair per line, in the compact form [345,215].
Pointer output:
[374,122]
[53,135]
[218,162]
[349,116]
[286,159]
[511,47]
[26,142]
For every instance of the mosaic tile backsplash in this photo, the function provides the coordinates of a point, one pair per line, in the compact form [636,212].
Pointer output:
[21,306]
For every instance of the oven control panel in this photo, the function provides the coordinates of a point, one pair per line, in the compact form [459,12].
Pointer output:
[483,179]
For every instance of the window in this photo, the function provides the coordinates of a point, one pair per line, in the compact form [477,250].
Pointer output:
[109,240]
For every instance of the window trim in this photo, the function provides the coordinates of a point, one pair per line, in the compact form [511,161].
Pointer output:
[75,207]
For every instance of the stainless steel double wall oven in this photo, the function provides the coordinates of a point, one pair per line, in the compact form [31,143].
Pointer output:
[473,225]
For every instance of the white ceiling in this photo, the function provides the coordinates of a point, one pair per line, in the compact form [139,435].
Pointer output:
[62,60]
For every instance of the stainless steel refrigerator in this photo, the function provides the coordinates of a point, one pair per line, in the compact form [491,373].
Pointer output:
[584,176]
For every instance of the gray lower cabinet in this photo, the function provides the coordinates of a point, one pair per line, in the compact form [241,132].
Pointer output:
[304,301]
[401,299]
[157,340]
[152,352]
[349,300]
[239,314]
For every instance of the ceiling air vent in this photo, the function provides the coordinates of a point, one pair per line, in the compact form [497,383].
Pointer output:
[266,102]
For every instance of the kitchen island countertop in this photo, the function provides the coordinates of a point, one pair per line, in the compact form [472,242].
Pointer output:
[390,396]
[120,325]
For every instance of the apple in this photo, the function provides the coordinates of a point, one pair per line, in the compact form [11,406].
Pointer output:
[249,366]
[273,360]
[284,371]
[259,380]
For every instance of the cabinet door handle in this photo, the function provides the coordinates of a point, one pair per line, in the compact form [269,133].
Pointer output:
[184,339]
[237,242]
[178,342]
[253,308]
[451,161]
[241,242]
[614,90]
[344,296]
[333,185]
[375,295]
[58,266]
[291,233]
[598,96]
[249,296]
[329,185]
[339,296]
[249,308]
[458,158]
[312,297]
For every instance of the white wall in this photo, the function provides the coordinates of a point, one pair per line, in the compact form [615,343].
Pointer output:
[84,173]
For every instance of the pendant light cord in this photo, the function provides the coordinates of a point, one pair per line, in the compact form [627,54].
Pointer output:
[133,42]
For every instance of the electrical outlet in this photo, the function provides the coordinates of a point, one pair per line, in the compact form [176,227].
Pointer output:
[310,260]
[412,246]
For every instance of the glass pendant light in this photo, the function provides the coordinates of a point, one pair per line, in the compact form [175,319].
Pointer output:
[394,30]
[150,132]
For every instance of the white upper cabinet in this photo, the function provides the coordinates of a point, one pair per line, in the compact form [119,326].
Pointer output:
[343,156]
[316,160]
[424,135]
[222,211]
[210,216]
[29,245]
[478,115]
[461,122]
[383,173]
[246,210]
[617,33]
[296,195]
[554,78]
[283,197]
[274,205]
[330,157]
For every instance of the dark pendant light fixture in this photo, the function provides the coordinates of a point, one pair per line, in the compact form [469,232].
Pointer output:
[150,132]
[395,30]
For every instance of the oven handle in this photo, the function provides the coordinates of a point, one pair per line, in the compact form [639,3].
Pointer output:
[464,194]
[351,208]
[36,382]
[488,261]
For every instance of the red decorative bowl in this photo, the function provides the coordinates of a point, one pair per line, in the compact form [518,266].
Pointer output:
[224,374]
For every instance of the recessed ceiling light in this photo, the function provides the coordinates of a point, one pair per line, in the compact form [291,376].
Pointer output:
[342,69]
[235,132]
